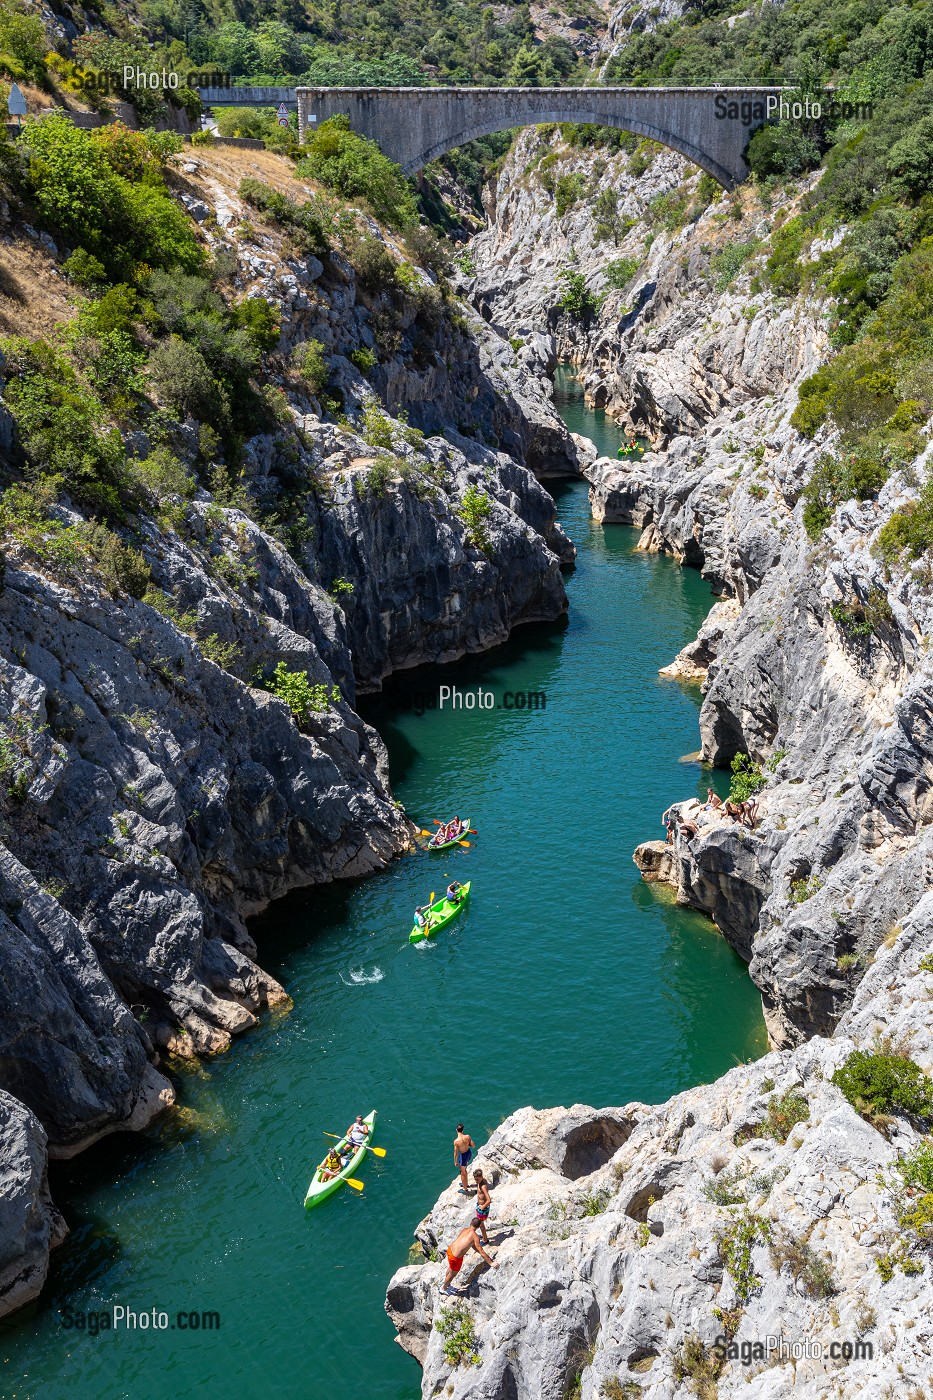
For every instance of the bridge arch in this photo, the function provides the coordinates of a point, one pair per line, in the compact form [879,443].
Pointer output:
[552,114]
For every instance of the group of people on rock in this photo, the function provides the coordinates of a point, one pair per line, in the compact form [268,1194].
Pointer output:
[472,1236]
[744,813]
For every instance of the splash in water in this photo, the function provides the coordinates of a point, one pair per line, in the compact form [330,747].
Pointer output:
[359,976]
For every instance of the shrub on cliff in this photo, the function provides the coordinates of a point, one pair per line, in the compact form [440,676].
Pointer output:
[620,272]
[64,428]
[576,299]
[305,222]
[355,167]
[103,191]
[909,530]
[23,45]
[747,778]
[475,510]
[885,1083]
[301,696]
[850,476]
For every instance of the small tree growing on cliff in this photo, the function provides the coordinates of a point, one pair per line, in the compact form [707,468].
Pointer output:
[475,510]
[301,697]
[576,299]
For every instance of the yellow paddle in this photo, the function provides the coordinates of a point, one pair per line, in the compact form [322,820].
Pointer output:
[379,1151]
[351,1181]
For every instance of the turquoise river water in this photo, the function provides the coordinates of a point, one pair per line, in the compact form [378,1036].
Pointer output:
[566,980]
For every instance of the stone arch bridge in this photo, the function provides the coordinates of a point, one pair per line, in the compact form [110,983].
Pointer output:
[710,126]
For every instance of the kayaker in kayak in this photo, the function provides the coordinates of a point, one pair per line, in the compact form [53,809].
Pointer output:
[333,1165]
[421,918]
[463,1156]
[458,1249]
[483,1203]
[453,892]
[357,1133]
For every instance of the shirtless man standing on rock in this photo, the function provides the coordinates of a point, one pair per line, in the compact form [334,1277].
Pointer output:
[456,1252]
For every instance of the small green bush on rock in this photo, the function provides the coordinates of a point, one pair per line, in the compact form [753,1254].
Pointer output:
[456,1327]
[883,1084]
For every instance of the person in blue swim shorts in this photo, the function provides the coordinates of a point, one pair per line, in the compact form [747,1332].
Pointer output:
[463,1156]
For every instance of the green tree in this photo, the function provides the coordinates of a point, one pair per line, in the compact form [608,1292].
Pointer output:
[356,168]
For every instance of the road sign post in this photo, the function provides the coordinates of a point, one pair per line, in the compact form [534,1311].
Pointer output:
[16,104]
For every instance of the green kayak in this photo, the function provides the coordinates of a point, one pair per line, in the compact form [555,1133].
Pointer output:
[445,845]
[440,914]
[321,1187]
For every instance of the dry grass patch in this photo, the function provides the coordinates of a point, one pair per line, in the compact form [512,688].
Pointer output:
[33,296]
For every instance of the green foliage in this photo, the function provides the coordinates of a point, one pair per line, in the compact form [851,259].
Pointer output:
[301,696]
[726,1189]
[575,300]
[783,1111]
[735,1242]
[877,1083]
[747,778]
[104,191]
[620,272]
[698,1367]
[308,360]
[475,510]
[455,1325]
[341,587]
[805,888]
[785,149]
[642,158]
[840,478]
[64,427]
[614,1388]
[729,261]
[23,44]
[864,619]
[364,359]
[85,270]
[355,167]
[567,190]
[378,428]
[260,320]
[909,530]
[807,1268]
[122,568]
[609,222]
[305,222]
[181,378]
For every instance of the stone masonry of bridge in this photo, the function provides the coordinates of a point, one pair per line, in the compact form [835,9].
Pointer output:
[710,126]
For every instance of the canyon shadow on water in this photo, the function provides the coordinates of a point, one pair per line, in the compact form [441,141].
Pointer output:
[566,980]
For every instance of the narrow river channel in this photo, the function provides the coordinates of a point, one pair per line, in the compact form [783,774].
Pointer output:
[567,980]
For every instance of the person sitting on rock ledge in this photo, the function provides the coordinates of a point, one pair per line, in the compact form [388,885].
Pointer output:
[712,801]
[687,829]
[456,1251]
